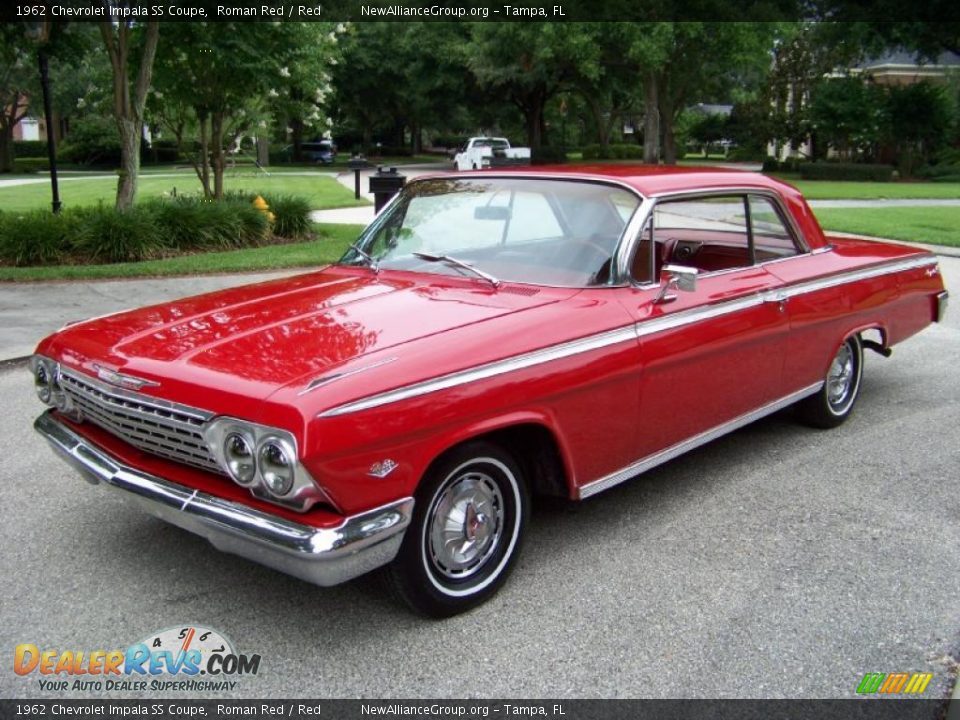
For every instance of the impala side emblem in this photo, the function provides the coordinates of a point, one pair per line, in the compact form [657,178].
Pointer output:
[382,469]
[120,380]
[931,271]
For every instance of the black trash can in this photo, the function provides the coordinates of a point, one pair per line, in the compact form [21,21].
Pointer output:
[384,184]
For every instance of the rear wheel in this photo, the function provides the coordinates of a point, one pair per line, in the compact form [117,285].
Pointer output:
[467,527]
[833,404]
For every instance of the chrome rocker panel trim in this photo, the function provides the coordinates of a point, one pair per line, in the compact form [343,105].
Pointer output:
[323,556]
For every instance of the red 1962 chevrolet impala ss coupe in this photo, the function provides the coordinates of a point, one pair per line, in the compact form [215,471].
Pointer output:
[489,338]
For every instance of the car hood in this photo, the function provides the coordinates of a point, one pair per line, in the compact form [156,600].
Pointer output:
[249,341]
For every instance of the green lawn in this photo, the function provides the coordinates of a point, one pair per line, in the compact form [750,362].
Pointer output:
[323,191]
[834,190]
[332,243]
[934,225]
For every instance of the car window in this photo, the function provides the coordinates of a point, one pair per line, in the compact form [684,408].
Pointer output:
[771,238]
[553,232]
[708,233]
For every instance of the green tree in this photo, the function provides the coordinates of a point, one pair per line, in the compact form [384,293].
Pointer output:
[848,114]
[18,83]
[919,118]
[131,47]
[221,80]
[530,63]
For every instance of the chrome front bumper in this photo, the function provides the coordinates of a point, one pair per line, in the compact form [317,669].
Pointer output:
[323,556]
[942,300]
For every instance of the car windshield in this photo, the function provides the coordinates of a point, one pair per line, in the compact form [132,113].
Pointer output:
[546,232]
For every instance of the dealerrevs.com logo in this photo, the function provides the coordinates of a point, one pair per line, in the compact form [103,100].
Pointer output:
[190,658]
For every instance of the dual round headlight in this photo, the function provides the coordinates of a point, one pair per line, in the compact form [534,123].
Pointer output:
[277,467]
[239,457]
[45,380]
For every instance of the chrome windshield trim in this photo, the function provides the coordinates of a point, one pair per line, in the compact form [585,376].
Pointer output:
[658,458]
[324,556]
[639,329]
[482,372]
[133,396]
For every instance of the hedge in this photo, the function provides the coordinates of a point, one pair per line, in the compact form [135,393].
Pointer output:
[622,151]
[548,155]
[29,149]
[845,171]
[149,229]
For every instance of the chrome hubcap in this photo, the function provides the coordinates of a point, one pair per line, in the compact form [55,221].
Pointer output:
[466,524]
[840,378]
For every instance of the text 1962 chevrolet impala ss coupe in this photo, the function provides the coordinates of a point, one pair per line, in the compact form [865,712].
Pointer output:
[490,337]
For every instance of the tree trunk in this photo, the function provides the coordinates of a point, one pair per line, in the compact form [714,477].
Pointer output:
[6,148]
[416,138]
[533,115]
[203,166]
[216,141]
[669,140]
[128,104]
[651,121]
[296,136]
[129,162]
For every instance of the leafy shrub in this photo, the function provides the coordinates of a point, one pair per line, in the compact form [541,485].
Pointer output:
[110,235]
[30,165]
[747,154]
[37,237]
[92,141]
[547,155]
[291,215]
[449,141]
[770,165]
[164,151]
[846,171]
[942,172]
[615,151]
[594,152]
[393,151]
[29,149]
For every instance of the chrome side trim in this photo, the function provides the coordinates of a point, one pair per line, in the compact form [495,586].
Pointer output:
[323,556]
[481,372]
[850,276]
[651,461]
[639,329]
[695,315]
[327,379]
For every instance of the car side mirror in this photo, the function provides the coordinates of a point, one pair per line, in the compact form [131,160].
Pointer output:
[681,277]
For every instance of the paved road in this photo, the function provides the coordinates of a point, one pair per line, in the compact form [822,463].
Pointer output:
[776,562]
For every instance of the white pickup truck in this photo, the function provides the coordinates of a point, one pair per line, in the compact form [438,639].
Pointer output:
[483,152]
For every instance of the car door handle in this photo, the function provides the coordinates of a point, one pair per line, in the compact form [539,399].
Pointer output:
[777,298]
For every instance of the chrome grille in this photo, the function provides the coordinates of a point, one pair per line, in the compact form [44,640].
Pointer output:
[171,431]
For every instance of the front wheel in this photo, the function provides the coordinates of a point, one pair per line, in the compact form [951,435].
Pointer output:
[466,532]
[834,403]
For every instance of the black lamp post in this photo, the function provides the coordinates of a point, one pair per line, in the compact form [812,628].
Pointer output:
[39,33]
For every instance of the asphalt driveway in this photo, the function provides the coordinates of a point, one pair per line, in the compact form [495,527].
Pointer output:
[776,562]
